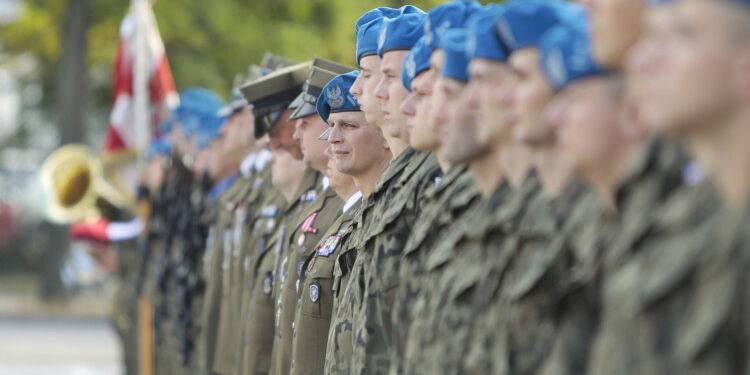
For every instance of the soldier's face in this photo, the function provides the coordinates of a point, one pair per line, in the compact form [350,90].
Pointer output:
[423,135]
[200,165]
[459,135]
[364,89]
[586,115]
[285,168]
[338,181]
[687,71]
[492,120]
[217,162]
[357,147]
[532,93]
[307,130]
[615,27]
[238,133]
[392,93]
[280,136]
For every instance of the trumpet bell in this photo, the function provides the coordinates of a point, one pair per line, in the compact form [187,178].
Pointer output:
[73,180]
[67,177]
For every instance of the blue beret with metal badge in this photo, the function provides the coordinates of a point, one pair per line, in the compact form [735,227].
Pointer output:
[447,16]
[456,65]
[401,32]
[415,62]
[335,97]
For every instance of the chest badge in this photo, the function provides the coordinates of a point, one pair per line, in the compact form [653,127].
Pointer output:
[328,246]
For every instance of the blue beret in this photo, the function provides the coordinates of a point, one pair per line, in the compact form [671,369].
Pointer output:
[159,147]
[368,33]
[447,16]
[417,61]
[456,63]
[208,131]
[481,39]
[381,12]
[566,55]
[401,32]
[524,22]
[197,106]
[335,96]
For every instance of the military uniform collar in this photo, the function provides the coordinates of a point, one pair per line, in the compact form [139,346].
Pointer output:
[352,201]
[654,157]
[448,179]
[247,166]
[397,165]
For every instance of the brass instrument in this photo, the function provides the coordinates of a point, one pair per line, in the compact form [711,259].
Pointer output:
[74,180]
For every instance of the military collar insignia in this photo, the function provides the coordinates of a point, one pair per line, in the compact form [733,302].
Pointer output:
[309,195]
[269,211]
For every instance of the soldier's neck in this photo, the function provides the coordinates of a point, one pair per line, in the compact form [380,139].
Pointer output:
[397,146]
[515,159]
[445,165]
[722,151]
[487,173]
[287,190]
[555,171]
[346,190]
[366,182]
[606,176]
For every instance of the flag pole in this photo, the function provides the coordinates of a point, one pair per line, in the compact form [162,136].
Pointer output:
[140,80]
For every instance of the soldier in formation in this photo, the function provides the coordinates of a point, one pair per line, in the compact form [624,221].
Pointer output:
[532,187]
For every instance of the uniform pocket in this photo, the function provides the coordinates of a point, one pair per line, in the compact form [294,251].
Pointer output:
[316,294]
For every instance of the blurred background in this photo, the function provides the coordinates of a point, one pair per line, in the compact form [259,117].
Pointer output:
[56,69]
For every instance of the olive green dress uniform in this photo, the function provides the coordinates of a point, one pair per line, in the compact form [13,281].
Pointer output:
[349,269]
[221,217]
[442,207]
[229,268]
[314,306]
[266,272]
[400,206]
[263,227]
[672,297]
[311,226]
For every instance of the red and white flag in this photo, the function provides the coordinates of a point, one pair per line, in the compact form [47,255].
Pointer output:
[123,131]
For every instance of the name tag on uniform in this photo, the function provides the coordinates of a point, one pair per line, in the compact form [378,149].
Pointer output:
[328,246]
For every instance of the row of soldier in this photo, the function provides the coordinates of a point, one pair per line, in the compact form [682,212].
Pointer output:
[537,187]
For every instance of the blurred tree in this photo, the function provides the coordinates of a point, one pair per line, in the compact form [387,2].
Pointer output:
[71,81]
[207,42]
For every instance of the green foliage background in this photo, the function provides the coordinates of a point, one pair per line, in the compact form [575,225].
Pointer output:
[207,42]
